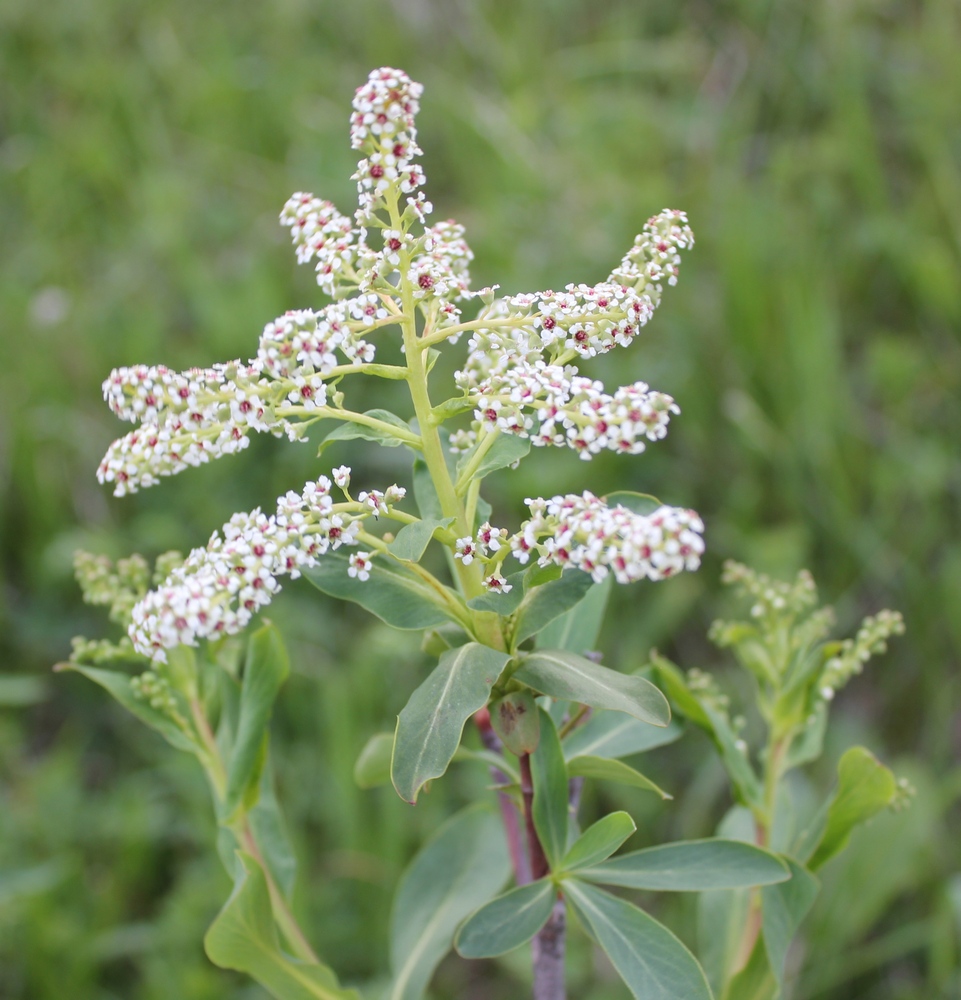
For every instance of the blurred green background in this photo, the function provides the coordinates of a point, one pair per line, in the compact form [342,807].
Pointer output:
[146,147]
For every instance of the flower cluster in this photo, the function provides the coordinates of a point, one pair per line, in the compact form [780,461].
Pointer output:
[584,532]
[219,588]
[321,233]
[554,407]
[382,127]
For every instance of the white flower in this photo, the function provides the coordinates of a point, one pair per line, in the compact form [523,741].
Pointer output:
[342,476]
[465,550]
[360,565]
[497,584]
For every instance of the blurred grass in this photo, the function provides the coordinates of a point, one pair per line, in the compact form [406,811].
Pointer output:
[145,150]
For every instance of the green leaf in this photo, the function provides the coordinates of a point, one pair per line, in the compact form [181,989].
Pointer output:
[551,806]
[653,963]
[548,601]
[809,743]
[865,787]
[598,842]
[756,980]
[118,685]
[265,670]
[501,604]
[425,495]
[373,765]
[393,593]
[570,677]
[506,450]
[413,539]
[605,769]
[507,922]
[614,734]
[243,937]
[516,721]
[703,713]
[349,431]
[692,866]
[460,868]
[270,831]
[577,629]
[639,503]
[430,726]
[783,907]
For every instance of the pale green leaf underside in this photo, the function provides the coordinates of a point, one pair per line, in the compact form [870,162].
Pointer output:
[614,734]
[692,866]
[605,769]
[429,727]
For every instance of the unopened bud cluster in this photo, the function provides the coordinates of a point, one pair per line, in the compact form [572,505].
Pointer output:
[871,639]
[587,534]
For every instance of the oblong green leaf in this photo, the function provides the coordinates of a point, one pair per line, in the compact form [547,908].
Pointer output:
[566,675]
[605,769]
[430,726]
[516,721]
[412,540]
[460,868]
[372,767]
[599,841]
[653,963]
[577,629]
[118,685]
[783,907]
[265,670]
[551,806]
[507,922]
[393,593]
[542,604]
[243,937]
[865,787]
[692,866]
[614,734]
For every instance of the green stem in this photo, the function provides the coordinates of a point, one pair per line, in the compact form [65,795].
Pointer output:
[329,412]
[466,478]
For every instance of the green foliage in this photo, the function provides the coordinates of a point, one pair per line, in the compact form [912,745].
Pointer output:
[459,869]
[430,726]
[243,937]
[550,810]
[598,842]
[507,922]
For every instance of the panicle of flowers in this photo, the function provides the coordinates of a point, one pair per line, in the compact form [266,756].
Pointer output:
[552,406]
[382,127]
[118,587]
[586,533]
[654,257]
[772,598]
[871,639]
[219,588]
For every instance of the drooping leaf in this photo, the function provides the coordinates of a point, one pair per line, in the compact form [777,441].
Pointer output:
[430,726]
[412,540]
[118,685]
[372,767]
[606,769]
[570,677]
[865,787]
[350,432]
[578,628]
[599,841]
[614,734]
[265,670]
[507,922]
[460,868]
[783,907]
[703,713]
[506,450]
[243,937]
[653,963]
[393,593]
[551,806]
[270,832]
[516,721]
[545,602]
[692,866]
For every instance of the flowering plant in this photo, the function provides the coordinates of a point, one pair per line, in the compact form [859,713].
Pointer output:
[513,626]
